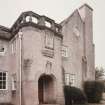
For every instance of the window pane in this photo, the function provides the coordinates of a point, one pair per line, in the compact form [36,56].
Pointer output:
[0,74]
[4,86]
[4,78]
[67,79]
[0,86]
[0,77]
[0,82]
[72,79]
[4,74]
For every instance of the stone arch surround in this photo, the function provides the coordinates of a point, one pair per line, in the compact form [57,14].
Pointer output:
[47,89]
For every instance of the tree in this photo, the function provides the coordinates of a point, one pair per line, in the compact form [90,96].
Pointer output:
[99,73]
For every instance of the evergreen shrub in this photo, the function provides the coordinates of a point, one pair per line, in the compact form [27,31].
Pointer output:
[93,91]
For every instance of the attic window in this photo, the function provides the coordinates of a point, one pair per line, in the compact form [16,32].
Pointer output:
[28,18]
[48,24]
[35,20]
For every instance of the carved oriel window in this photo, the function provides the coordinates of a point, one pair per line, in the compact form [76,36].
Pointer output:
[49,40]
[3,80]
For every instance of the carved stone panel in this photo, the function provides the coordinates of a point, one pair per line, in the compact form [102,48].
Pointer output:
[48,68]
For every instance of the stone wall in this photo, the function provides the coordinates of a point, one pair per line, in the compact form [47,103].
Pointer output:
[35,51]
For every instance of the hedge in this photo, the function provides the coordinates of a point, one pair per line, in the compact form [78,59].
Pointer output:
[93,91]
[74,95]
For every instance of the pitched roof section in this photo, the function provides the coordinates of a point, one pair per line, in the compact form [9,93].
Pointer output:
[5,33]
[80,11]
[68,19]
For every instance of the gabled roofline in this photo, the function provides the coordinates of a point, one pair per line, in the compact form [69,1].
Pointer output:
[4,28]
[76,10]
[86,6]
[21,22]
[67,19]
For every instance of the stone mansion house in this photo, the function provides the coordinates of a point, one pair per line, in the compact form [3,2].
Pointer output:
[38,57]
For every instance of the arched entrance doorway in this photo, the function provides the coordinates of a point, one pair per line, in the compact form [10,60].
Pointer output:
[46,89]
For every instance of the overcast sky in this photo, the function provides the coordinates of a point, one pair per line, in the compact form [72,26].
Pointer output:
[59,10]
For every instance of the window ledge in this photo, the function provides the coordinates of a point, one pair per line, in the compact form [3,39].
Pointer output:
[48,53]
[2,53]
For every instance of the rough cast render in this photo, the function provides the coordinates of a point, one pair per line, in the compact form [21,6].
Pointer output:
[32,57]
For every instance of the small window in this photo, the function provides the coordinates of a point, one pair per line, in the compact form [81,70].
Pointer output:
[3,80]
[2,50]
[64,51]
[13,82]
[13,46]
[67,79]
[70,79]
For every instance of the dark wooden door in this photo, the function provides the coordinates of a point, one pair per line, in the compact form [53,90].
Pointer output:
[40,91]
